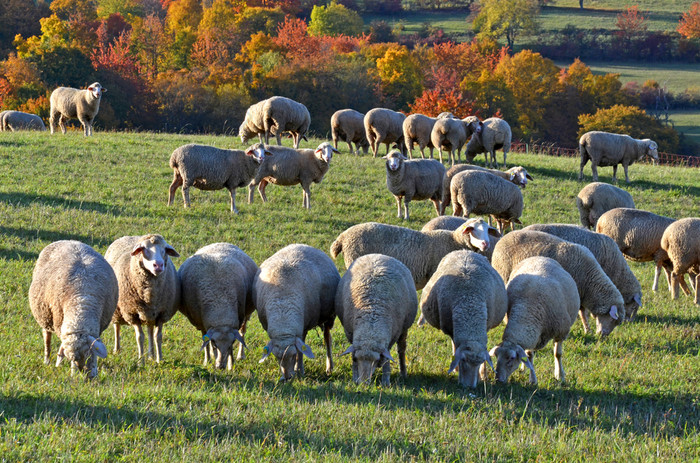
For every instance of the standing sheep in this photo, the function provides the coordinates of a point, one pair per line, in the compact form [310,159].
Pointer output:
[638,235]
[610,149]
[281,114]
[17,120]
[597,198]
[465,298]
[451,135]
[294,291]
[417,129]
[69,103]
[217,297]
[73,294]
[384,126]
[209,168]
[542,304]
[491,134]
[348,125]
[681,241]
[376,303]
[418,179]
[149,288]
[289,166]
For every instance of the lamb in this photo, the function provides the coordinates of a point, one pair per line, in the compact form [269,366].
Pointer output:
[416,179]
[491,134]
[608,256]
[149,288]
[217,298]
[449,134]
[294,291]
[465,298]
[420,252]
[69,103]
[610,149]
[417,128]
[348,125]
[17,120]
[681,241]
[73,293]
[478,192]
[376,303]
[288,166]
[253,125]
[638,235]
[598,294]
[384,126]
[597,198]
[542,304]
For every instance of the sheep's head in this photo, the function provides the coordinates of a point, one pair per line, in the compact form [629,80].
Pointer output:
[325,152]
[472,123]
[245,133]
[477,232]
[632,304]
[257,152]
[509,356]
[222,338]
[153,252]
[652,149]
[519,176]
[365,361]
[82,351]
[287,354]
[394,160]
[606,322]
[96,90]
[469,357]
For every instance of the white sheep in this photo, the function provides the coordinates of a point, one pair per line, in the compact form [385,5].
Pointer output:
[420,252]
[465,298]
[149,288]
[451,223]
[489,135]
[449,134]
[417,179]
[67,102]
[610,149]
[73,293]
[289,166]
[348,125]
[417,129]
[542,304]
[281,114]
[376,303]
[294,291]
[681,241]
[217,297]
[383,125]
[638,235]
[595,199]
[18,120]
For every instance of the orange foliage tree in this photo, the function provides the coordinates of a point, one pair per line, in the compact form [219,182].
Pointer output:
[689,24]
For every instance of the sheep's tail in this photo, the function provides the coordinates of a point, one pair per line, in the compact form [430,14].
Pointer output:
[173,162]
[337,247]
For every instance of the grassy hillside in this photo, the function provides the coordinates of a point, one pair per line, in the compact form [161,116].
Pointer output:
[633,396]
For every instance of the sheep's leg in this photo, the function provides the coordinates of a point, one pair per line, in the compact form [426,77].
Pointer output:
[584,319]
[186,195]
[505,155]
[300,365]
[436,203]
[328,340]
[406,200]
[229,361]
[531,356]
[697,282]
[52,122]
[157,341]
[261,189]
[431,152]
[558,352]
[307,196]
[138,331]
[47,346]
[594,170]
[614,177]
[241,350]
[86,126]
[401,347]
[232,192]
[627,178]
[151,343]
[117,338]
[657,273]
[456,209]
[386,373]
[251,191]
[398,206]
[684,285]
[177,183]
[62,124]
[584,160]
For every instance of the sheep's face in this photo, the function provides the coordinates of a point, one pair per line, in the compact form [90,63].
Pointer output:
[82,351]
[478,232]
[325,152]
[507,361]
[245,133]
[394,160]
[632,305]
[653,150]
[607,322]
[364,362]
[222,340]
[154,251]
[519,176]
[469,362]
[96,90]
[289,355]
[257,152]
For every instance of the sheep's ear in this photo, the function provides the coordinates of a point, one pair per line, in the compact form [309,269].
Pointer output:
[137,249]
[455,361]
[237,335]
[385,353]
[512,176]
[60,355]
[529,177]
[303,137]
[467,229]
[98,347]
[517,221]
[494,232]
[479,127]
[205,340]
[487,358]
[266,352]
[638,299]
[613,313]
[334,150]
[349,350]
[169,250]
[304,348]
[494,351]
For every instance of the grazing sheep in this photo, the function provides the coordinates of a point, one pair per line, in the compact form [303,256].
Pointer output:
[417,129]
[610,149]
[348,125]
[681,241]
[597,198]
[17,120]
[217,297]
[69,103]
[289,166]
[476,192]
[451,135]
[384,126]
[281,114]
[542,304]
[253,125]
[465,298]
[376,303]
[294,291]
[598,294]
[149,288]
[417,179]
[608,256]
[209,168]
[491,134]
[73,294]
[420,252]
[638,235]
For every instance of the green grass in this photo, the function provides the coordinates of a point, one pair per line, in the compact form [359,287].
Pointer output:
[688,123]
[677,77]
[634,396]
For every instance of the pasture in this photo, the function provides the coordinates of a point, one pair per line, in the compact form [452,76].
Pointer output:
[632,396]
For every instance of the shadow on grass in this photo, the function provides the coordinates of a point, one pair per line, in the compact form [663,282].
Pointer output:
[50,236]
[27,199]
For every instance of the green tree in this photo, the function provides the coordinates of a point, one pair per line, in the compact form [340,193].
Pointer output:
[506,18]
[334,19]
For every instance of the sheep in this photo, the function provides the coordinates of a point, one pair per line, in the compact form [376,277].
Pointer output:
[610,149]
[638,235]
[478,192]
[288,166]
[445,115]
[489,135]
[420,252]
[17,120]
[294,291]
[348,125]
[608,256]
[597,198]
[69,103]
[149,288]
[281,114]
[598,294]
[416,179]
[253,125]
[465,298]
[417,128]
[209,168]
[542,304]
[384,126]
[376,304]
[73,293]
[450,134]
[681,241]
[217,297]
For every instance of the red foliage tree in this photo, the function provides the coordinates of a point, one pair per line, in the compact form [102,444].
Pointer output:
[631,22]
[444,95]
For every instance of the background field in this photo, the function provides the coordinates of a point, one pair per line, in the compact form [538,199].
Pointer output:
[633,396]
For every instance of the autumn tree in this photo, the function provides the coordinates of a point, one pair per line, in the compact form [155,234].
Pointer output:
[444,95]
[506,18]
[20,17]
[151,44]
[400,75]
[689,24]
[334,19]
[631,23]
[181,22]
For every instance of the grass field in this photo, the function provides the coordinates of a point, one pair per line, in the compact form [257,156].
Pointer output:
[677,77]
[634,396]
[687,122]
